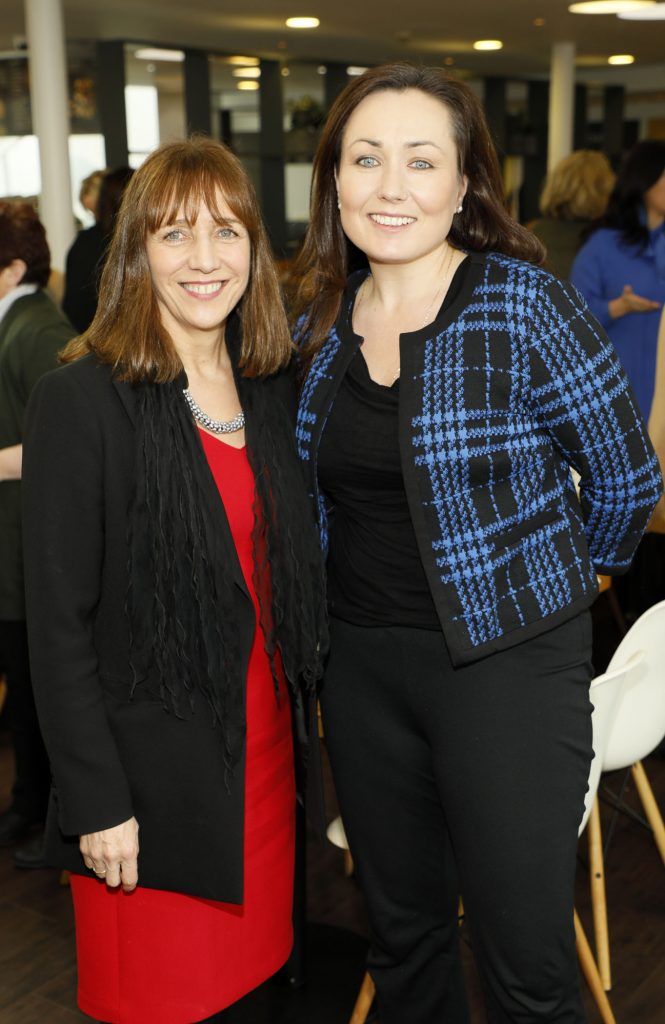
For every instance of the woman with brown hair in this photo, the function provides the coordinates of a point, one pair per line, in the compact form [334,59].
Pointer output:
[447,391]
[174,610]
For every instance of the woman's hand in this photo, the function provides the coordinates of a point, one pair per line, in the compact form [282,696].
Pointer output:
[629,302]
[112,854]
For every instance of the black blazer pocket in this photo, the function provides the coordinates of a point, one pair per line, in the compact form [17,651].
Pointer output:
[527,527]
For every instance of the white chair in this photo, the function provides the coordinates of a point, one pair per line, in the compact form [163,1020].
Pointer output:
[605,693]
[638,727]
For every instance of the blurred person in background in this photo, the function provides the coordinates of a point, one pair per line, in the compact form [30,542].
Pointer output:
[574,195]
[620,269]
[32,332]
[89,191]
[85,259]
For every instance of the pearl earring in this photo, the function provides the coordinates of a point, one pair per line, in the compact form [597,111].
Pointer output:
[459,208]
[339,204]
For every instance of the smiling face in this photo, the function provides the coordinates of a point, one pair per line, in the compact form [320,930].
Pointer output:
[200,270]
[398,179]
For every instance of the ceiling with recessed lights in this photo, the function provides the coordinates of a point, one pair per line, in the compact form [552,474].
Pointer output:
[370,32]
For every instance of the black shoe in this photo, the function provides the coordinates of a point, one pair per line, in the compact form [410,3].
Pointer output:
[31,855]
[14,827]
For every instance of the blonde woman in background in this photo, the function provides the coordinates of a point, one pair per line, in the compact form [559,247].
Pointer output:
[575,194]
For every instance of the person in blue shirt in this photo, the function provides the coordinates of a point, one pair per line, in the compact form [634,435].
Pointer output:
[621,268]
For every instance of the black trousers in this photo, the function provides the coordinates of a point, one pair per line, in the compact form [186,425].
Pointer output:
[32,773]
[466,780]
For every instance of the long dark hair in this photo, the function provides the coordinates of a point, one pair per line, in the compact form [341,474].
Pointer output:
[320,270]
[641,169]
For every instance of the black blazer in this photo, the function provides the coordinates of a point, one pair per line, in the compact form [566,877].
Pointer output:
[113,757]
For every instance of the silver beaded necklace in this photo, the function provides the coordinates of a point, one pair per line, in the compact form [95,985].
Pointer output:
[214,426]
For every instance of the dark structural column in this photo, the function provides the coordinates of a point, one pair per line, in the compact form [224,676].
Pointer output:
[535,165]
[271,155]
[580,122]
[335,80]
[197,92]
[111,91]
[614,98]
[495,111]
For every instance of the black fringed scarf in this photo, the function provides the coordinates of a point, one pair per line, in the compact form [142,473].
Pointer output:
[182,600]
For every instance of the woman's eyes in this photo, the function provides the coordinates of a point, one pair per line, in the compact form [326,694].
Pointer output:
[371,161]
[178,234]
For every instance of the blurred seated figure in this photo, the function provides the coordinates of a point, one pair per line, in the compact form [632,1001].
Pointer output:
[32,332]
[575,194]
[85,258]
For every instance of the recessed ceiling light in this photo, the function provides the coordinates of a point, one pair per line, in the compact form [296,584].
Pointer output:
[608,6]
[488,44]
[246,72]
[322,70]
[354,71]
[243,62]
[621,58]
[655,13]
[302,22]
[247,85]
[285,72]
[151,53]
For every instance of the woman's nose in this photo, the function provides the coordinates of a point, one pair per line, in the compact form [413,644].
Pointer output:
[203,255]
[392,186]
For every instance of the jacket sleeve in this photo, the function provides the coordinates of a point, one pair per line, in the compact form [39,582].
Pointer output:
[63,529]
[587,276]
[583,398]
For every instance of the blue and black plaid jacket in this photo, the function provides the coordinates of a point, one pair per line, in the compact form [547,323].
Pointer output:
[507,389]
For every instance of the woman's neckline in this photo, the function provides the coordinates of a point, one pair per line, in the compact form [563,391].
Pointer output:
[226,444]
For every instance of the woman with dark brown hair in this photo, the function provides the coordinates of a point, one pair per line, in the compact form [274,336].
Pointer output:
[174,602]
[447,391]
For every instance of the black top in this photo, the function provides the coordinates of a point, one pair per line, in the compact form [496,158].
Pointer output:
[375,572]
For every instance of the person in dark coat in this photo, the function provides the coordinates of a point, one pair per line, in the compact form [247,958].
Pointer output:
[32,332]
[175,602]
[85,259]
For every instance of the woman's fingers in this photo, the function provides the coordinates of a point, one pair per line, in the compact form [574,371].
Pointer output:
[112,854]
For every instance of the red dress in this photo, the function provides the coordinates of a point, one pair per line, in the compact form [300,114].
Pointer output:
[154,957]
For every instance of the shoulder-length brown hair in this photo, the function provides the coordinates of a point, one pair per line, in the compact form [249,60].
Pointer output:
[127,332]
[320,271]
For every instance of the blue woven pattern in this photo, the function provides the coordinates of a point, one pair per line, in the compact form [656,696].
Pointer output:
[522,384]
[319,372]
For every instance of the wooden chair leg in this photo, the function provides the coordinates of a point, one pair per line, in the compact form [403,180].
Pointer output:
[651,808]
[598,899]
[590,971]
[348,864]
[364,1001]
